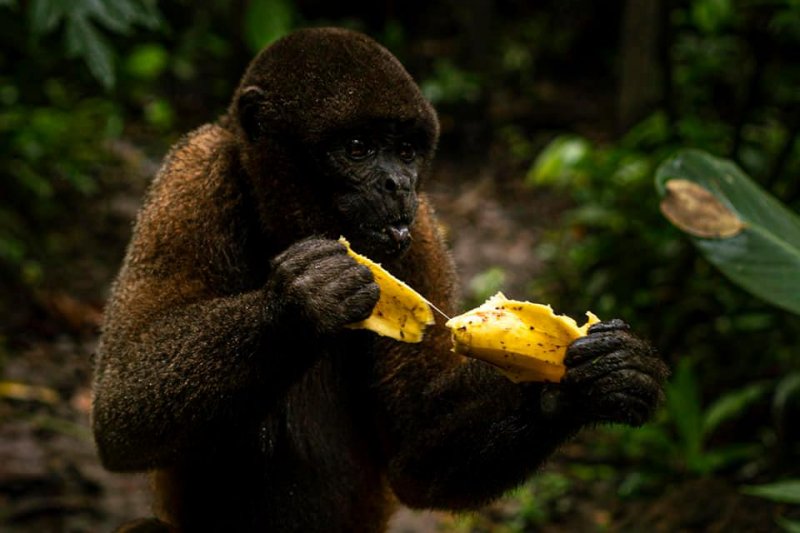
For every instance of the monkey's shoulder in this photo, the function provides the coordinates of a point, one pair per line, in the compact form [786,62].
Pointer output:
[188,207]
[193,181]
[190,162]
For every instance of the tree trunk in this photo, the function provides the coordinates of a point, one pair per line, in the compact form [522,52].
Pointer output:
[640,83]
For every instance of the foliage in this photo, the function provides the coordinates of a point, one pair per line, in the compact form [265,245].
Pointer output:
[682,439]
[530,506]
[48,150]
[56,123]
[787,491]
[764,256]
[484,285]
[80,20]
[538,500]
[780,491]
[615,254]
[662,287]
[763,259]
[695,425]
[449,84]
[76,76]
[51,134]
[267,20]
[614,215]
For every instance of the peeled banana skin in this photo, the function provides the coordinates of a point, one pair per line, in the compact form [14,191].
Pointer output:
[524,340]
[401,313]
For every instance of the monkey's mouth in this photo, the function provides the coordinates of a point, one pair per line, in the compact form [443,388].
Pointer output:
[381,243]
[399,235]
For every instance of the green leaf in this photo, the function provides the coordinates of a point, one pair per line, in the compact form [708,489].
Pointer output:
[113,16]
[787,387]
[267,21]
[159,113]
[764,257]
[711,15]
[82,18]
[147,61]
[718,458]
[46,14]
[731,405]
[148,14]
[792,526]
[486,283]
[559,162]
[787,491]
[85,41]
[685,409]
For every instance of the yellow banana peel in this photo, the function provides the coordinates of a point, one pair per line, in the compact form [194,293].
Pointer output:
[401,313]
[524,340]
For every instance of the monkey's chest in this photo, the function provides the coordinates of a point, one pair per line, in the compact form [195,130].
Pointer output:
[321,458]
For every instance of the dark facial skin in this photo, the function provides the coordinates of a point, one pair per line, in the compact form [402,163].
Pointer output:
[374,174]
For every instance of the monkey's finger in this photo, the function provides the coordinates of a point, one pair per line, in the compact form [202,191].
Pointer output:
[340,272]
[338,277]
[614,324]
[591,347]
[624,359]
[358,305]
[623,408]
[596,345]
[299,257]
[328,282]
[631,382]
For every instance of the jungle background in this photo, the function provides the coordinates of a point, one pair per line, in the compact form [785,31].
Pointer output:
[555,115]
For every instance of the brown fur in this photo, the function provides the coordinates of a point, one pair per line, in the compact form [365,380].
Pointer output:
[254,418]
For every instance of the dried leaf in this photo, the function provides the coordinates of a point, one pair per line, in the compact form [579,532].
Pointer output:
[32,393]
[696,211]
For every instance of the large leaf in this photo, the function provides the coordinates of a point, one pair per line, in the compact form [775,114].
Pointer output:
[764,256]
[732,405]
[787,491]
[791,526]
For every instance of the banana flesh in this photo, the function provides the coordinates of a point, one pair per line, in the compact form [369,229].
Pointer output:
[401,313]
[524,340]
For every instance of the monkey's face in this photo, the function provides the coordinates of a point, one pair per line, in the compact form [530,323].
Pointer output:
[373,175]
[334,120]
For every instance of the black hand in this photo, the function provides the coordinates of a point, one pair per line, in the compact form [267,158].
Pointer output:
[317,281]
[613,376]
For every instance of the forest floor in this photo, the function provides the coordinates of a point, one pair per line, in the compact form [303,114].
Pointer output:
[51,480]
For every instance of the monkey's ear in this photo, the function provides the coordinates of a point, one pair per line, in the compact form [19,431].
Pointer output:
[250,110]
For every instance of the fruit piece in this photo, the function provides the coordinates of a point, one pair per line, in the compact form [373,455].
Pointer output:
[524,340]
[401,313]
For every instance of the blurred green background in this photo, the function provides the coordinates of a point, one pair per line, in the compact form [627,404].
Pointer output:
[574,103]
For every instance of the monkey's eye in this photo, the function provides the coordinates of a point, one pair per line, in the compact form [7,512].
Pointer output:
[407,152]
[358,149]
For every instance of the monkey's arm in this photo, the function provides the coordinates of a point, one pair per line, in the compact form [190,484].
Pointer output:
[162,387]
[173,379]
[197,337]
[457,433]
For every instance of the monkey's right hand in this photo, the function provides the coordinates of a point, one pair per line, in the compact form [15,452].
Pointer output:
[317,282]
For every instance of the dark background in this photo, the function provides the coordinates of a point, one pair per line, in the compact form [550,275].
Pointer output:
[555,115]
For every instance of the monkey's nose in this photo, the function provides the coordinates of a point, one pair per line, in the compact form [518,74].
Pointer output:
[400,235]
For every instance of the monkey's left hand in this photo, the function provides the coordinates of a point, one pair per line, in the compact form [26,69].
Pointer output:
[613,376]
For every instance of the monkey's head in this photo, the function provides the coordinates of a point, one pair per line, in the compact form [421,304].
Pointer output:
[333,117]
